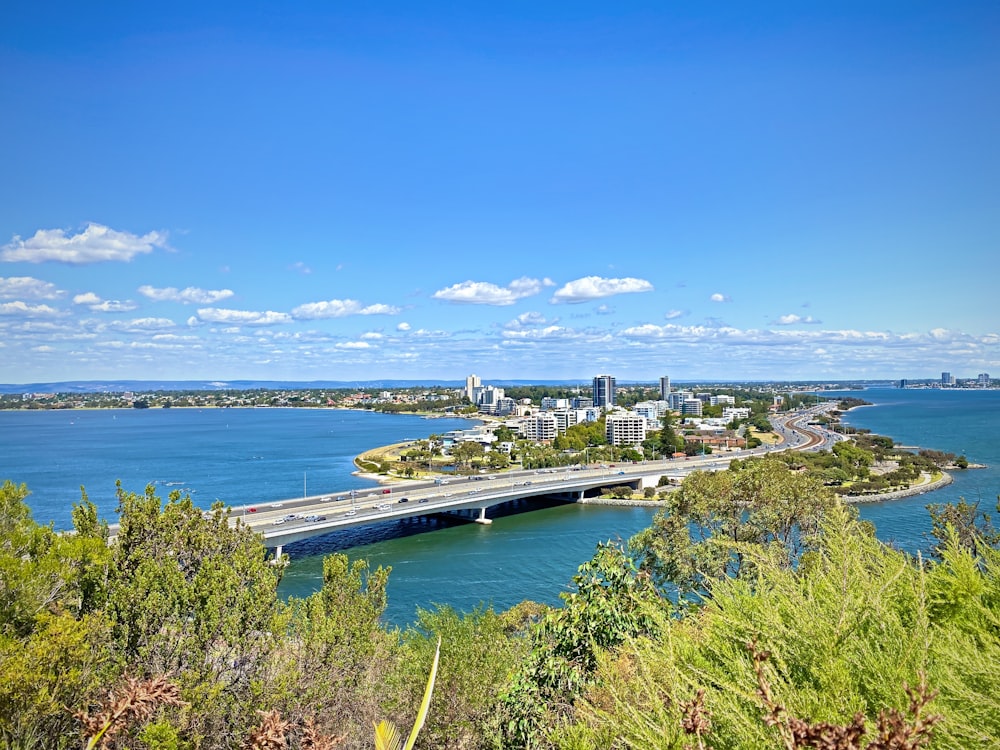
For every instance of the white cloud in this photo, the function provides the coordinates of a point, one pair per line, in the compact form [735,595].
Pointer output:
[301,268]
[243,317]
[485,293]
[717,297]
[604,310]
[145,324]
[372,335]
[95,244]
[792,319]
[188,295]
[114,305]
[403,327]
[26,287]
[87,298]
[23,309]
[379,309]
[673,314]
[96,304]
[525,320]
[339,308]
[353,345]
[596,287]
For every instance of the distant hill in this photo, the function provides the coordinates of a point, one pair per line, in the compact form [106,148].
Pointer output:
[118,386]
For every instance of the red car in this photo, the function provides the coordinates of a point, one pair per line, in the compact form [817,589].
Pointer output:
[251,510]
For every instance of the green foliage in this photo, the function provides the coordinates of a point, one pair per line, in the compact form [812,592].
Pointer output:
[613,602]
[193,597]
[846,631]
[964,524]
[337,659]
[477,656]
[719,523]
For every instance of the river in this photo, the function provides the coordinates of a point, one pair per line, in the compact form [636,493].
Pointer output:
[256,455]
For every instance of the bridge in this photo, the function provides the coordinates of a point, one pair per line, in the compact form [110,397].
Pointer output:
[286,521]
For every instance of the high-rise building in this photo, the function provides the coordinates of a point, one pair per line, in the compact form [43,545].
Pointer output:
[665,388]
[625,429]
[947,378]
[983,379]
[471,383]
[604,391]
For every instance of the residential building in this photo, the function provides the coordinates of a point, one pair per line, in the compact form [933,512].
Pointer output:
[582,402]
[722,399]
[471,384]
[549,403]
[729,413]
[604,391]
[691,406]
[625,429]
[541,427]
[664,388]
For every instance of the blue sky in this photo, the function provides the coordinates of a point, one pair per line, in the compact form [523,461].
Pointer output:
[348,190]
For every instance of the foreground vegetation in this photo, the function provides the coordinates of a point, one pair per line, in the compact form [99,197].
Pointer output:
[756,612]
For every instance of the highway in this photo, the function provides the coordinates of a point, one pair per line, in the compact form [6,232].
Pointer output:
[285,521]
[290,520]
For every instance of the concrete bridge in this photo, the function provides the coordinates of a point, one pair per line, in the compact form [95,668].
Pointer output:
[286,521]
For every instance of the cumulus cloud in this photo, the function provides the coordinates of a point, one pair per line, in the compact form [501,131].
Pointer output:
[243,317]
[353,345]
[372,335]
[96,304]
[485,293]
[26,287]
[526,320]
[792,319]
[596,287]
[95,244]
[185,296]
[717,297]
[23,309]
[339,308]
[403,327]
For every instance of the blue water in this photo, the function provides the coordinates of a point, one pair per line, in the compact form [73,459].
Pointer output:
[237,456]
[964,422]
[255,455]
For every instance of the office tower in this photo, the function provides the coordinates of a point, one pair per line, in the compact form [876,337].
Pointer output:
[604,391]
[665,388]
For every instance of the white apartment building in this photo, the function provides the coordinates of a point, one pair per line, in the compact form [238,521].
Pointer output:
[540,427]
[625,429]
[729,413]
[722,399]
[471,384]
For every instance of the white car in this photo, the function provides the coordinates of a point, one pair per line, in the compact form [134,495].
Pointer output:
[277,521]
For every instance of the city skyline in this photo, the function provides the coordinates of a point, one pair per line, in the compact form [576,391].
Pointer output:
[349,193]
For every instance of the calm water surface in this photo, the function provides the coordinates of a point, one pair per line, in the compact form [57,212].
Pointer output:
[254,455]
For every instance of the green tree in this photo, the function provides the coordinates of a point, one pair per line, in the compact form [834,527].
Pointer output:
[477,656]
[962,524]
[53,635]
[337,660]
[463,453]
[193,596]
[718,523]
[612,602]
